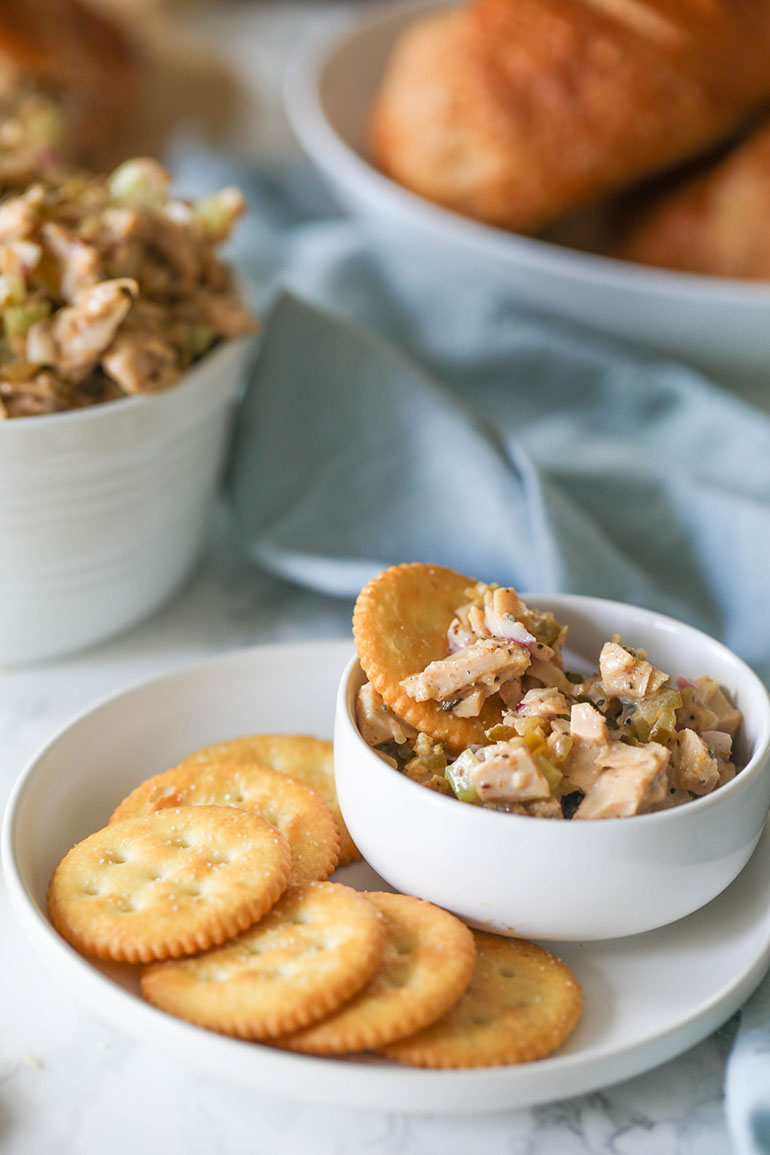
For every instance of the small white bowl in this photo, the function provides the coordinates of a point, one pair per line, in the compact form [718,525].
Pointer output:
[717,324]
[574,881]
[103,511]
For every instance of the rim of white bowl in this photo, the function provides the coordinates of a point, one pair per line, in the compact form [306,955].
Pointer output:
[344,165]
[759,760]
[188,382]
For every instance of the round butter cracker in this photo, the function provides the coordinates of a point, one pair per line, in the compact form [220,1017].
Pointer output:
[318,946]
[300,814]
[168,884]
[400,624]
[310,760]
[426,965]
[521,1004]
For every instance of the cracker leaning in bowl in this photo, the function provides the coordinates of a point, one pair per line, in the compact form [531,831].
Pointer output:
[316,968]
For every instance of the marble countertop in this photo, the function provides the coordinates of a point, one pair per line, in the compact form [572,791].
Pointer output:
[70,1082]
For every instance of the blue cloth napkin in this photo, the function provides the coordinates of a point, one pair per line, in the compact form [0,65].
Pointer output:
[397,415]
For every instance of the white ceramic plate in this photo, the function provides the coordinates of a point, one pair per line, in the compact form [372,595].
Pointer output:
[646,998]
[719,324]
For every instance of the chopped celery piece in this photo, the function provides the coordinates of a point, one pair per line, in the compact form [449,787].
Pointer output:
[19,319]
[552,774]
[544,626]
[654,719]
[141,181]
[13,289]
[198,339]
[458,775]
[532,730]
[501,733]
[218,212]
[425,754]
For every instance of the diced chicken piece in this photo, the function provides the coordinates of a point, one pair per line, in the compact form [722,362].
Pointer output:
[711,695]
[511,693]
[674,796]
[548,673]
[727,771]
[545,702]
[19,215]
[470,703]
[424,776]
[540,808]
[633,780]
[75,337]
[461,633]
[488,663]
[228,316]
[505,615]
[498,612]
[377,722]
[693,766]
[544,808]
[590,742]
[588,725]
[477,622]
[559,741]
[119,222]
[141,363]
[19,258]
[624,675]
[78,263]
[508,772]
[694,714]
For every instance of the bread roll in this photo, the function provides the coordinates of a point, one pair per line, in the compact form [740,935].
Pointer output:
[517,112]
[714,221]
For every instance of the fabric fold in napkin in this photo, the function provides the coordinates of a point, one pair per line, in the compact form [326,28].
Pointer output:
[398,413]
[581,468]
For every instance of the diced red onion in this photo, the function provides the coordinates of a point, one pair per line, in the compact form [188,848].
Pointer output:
[719,742]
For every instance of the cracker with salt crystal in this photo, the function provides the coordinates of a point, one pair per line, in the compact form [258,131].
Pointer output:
[300,814]
[400,625]
[310,760]
[522,1003]
[168,884]
[426,965]
[317,947]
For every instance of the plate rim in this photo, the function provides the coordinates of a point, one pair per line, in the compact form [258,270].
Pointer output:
[368,1083]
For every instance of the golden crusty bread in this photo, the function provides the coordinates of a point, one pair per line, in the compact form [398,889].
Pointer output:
[713,221]
[517,112]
